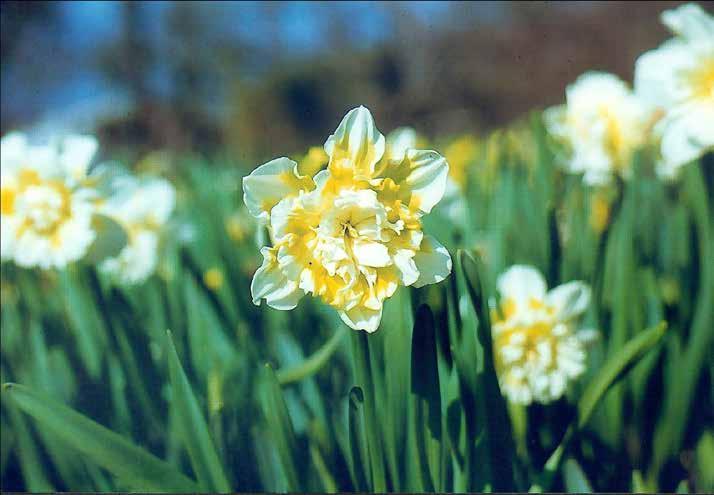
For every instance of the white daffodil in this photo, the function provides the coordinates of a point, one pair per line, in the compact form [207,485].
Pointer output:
[537,347]
[677,79]
[142,208]
[352,233]
[46,211]
[601,124]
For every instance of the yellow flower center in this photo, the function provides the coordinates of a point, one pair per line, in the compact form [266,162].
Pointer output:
[43,206]
[701,80]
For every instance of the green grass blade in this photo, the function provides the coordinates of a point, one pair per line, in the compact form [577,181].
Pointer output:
[193,428]
[575,479]
[315,362]
[357,440]
[426,397]
[133,465]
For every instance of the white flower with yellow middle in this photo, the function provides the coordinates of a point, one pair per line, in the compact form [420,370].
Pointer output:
[602,124]
[351,234]
[677,79]
[538,349]
[46,210]
[142,208]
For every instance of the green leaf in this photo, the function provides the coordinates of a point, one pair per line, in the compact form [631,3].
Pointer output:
[575,479]
[615,368]
[493,406]
[426,398]
[131,464]
[193,428]
[111,239]
[611,372]
[279,425]
[315,362]
[357,440]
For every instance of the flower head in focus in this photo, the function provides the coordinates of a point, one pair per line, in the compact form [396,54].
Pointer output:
[350,234]
[538,349]
[602,124]
[677,80]
[46,208]
[142,208]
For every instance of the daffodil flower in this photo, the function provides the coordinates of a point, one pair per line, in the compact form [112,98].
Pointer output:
[677,80]
[602,124]
[350,234]
[142,208]
[538,348]
[46,210]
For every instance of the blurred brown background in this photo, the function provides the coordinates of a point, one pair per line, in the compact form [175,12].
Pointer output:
[273,78]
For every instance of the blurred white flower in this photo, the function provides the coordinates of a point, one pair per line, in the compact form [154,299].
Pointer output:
[352,233]
[677,79]
[46,210]
[142,207]
[602,124]
[538,350]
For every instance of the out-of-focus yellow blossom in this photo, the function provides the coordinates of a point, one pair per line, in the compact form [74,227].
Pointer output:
[599,212]
[537,347]
[460,154]
[352,233]
[213,278]
[677,79]
[314,160]
[45,210]
[602,124]
[237,226]
[142,208]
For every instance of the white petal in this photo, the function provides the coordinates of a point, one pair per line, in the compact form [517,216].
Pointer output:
[569,300]
[399,141]
[522,283]
[433,262]
[361,318]
[76,154]
[356,146]
[271,284]
[427,178]
[687,133]
[371,253]
[12,151]
[406,267]
[271,182]
[689,21]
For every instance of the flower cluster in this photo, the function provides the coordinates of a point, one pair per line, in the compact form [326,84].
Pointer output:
[604,122]
[538,349]
[55,211]
[350,234]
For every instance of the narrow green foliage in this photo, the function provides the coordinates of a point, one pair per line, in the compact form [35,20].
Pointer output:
[132,465]
[194,431]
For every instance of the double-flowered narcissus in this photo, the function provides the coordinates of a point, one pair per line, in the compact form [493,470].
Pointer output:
[538,347]
[677,80]
[352,233]
[601,125]
[46,207]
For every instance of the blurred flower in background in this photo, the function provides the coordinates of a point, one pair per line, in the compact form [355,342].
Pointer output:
[46,210]
[142,207]
[538,347]
[677,79]
[602,124]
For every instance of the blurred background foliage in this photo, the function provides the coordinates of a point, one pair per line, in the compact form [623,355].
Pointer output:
[201,93]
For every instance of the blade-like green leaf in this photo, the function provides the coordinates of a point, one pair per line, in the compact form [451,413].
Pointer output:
[193,428]
[612,371]
[133,465]
[280,426]
[426,397]
[357,440]
[498,425]
[574,478]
